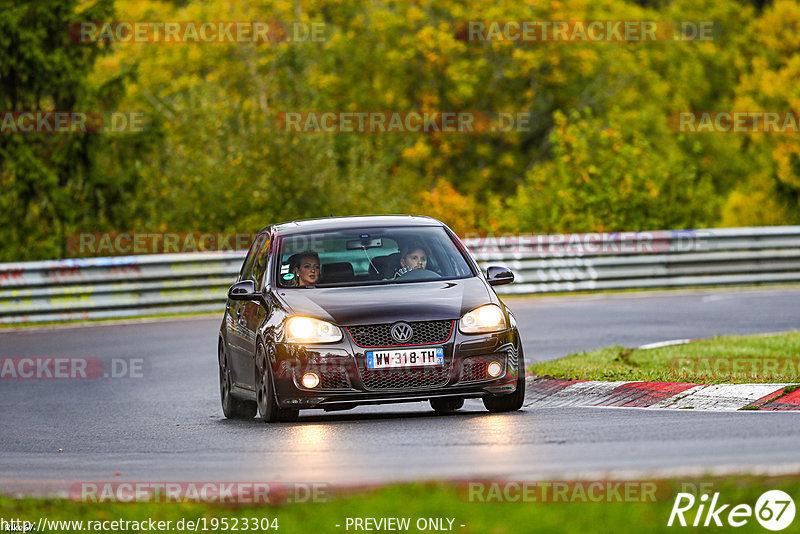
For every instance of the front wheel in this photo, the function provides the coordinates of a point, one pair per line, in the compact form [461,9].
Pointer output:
[512,401]
[267,403]
[232,407]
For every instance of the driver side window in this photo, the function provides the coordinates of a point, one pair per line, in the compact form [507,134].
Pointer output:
[260,247]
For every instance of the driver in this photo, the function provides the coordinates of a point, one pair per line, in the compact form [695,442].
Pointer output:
[413,256]
[305,267]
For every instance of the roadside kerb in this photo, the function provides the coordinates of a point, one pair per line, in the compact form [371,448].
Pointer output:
[545,392]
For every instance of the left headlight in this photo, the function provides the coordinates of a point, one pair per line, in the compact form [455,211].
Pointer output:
[308,330]
[488,318]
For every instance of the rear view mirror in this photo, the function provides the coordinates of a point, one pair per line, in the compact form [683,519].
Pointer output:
[498,276]
[356,244]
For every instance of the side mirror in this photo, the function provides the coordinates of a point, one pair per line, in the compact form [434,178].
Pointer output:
[498,276]
[244,290]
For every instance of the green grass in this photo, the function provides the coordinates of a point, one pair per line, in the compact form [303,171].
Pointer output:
[732,359]
[428,500]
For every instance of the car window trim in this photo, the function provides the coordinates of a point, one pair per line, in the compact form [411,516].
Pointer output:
[278,249]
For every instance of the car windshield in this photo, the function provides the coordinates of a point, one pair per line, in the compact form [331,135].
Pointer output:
[369,256]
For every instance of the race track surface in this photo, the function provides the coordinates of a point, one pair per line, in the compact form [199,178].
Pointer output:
[167,425]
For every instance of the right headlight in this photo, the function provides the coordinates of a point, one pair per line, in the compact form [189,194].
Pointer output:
[488,318]
[301,329]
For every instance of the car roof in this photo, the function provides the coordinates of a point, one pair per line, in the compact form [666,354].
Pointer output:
[345,223]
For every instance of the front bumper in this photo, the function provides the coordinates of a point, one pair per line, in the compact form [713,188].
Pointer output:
[346,381]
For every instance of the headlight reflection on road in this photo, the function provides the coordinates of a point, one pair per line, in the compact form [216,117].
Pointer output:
[308,436]
[493,430]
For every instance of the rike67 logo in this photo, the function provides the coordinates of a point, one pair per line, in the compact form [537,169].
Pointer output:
[774,510]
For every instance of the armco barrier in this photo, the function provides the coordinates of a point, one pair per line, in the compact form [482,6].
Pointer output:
[64,290]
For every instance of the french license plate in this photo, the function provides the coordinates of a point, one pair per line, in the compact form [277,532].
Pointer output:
[385,359]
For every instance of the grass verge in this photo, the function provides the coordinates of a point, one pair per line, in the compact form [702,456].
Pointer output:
[573,513]
[731,359]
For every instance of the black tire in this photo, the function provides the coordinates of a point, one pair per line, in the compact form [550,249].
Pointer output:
[512,401]
[232,407]
[446,404]
[267,403]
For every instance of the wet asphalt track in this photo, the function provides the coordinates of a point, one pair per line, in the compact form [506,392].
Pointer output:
[167,425]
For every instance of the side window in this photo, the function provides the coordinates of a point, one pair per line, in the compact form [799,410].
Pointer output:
[261,262]
[247,268]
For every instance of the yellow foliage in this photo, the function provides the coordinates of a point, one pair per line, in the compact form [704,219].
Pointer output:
[754,207]
[461,213]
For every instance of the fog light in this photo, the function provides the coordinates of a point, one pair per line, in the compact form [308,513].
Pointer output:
[310,380]
[494,369]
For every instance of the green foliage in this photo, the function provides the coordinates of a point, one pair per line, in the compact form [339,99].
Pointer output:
[52,184]
[609,175]
[598,154]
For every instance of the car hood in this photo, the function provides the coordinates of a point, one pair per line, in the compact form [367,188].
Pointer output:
[419,301]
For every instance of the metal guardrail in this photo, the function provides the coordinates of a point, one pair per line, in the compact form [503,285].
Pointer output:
[129,286]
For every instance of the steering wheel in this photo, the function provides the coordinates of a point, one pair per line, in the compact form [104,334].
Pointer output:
[420,274]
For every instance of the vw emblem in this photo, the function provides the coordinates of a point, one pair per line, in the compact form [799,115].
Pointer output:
[401,332]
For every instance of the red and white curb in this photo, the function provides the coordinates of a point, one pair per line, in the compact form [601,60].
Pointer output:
[550,393]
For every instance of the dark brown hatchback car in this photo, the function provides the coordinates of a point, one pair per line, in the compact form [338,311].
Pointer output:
[333,313]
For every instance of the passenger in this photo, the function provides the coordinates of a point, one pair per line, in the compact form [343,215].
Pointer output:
[305,267]
[414,256]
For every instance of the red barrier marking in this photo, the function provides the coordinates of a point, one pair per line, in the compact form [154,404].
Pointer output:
[11,277]
[789,402]
[125,270]
[643,393]
[65,275]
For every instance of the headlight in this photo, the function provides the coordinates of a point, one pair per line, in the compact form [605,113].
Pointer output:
[307,330]
[488,318]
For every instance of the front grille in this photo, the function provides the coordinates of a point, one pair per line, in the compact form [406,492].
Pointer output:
[377,335]
[406,378]
[337,379]
[473,368]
